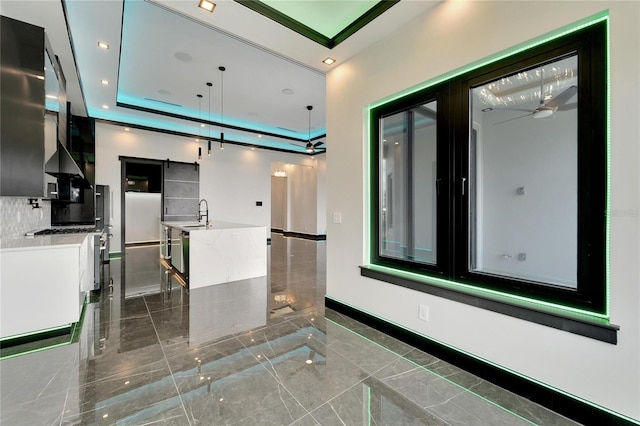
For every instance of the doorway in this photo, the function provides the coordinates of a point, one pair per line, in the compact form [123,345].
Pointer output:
[141,201]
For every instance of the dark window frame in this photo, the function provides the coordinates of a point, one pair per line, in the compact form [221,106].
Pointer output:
[591,296]
[443,211]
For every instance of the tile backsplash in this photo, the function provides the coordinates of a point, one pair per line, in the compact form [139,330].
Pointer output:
[17,216]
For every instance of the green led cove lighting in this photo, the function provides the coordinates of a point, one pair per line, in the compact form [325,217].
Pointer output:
[46,330]
[75,330]
[508,370]
[326,17]
[602,318]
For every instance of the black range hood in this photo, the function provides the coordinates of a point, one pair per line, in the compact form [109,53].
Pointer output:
[62,165]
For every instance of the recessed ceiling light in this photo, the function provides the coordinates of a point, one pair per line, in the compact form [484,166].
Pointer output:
[103,45]
[329,61]
[207,5]
[287,91]
[105,82]
[126,129]
[40,77]
[105,106]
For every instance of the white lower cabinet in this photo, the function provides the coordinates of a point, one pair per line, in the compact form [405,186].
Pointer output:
[44,287]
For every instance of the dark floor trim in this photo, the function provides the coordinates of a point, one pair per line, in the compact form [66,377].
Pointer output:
[604,332]
[321,237]
[552,399]
[142,243]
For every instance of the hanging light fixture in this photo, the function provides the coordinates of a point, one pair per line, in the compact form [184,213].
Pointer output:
[200,127]
[310,147]
[222,70]
[209,120]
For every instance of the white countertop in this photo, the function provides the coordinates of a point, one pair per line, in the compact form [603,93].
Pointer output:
[41,242]
[214,225]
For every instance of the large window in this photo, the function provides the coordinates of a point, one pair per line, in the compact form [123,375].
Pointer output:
[496,178]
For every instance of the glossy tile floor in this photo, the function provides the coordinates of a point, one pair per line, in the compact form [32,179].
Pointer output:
[260,351]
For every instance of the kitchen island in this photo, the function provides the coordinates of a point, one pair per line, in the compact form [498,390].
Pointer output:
[218,253]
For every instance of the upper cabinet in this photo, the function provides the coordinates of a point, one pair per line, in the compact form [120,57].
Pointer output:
[22,97]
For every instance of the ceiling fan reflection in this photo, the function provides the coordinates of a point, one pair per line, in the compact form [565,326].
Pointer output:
[544,109]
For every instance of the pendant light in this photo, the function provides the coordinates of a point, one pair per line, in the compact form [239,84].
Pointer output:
[310,147]
[222,70]
[199,124]
[209,120]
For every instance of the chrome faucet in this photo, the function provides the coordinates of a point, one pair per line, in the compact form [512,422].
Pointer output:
[202,214]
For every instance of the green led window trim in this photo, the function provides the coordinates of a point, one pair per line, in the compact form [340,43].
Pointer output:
[600,316]
[568,29]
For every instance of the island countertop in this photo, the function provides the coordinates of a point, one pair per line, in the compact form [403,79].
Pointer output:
[191,226]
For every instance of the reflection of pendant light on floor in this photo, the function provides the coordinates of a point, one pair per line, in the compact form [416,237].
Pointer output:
[209,120]
[222,70]
[200,126]
[310,148]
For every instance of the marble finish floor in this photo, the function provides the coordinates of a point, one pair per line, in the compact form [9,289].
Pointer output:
[256,352]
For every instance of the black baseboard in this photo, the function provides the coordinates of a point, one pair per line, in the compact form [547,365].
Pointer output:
[554,400]
[142,243]
[321,237]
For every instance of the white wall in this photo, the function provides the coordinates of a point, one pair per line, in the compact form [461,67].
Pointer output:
[278,202]
[302,200]
[231,180]
[454,34]
[305,194]
[321,195]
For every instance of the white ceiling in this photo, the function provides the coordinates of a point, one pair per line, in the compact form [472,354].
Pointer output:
[262,59]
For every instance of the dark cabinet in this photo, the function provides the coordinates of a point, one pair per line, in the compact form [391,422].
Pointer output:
[22,109]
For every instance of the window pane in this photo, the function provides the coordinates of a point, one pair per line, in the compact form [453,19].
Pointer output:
[523,175]
[408,184]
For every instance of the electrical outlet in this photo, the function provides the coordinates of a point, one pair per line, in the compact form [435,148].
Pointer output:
[423,312]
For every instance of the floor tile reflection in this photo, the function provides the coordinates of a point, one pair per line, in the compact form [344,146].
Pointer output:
[259,351]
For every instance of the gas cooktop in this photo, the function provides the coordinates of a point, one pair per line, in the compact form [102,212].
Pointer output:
[64,230]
